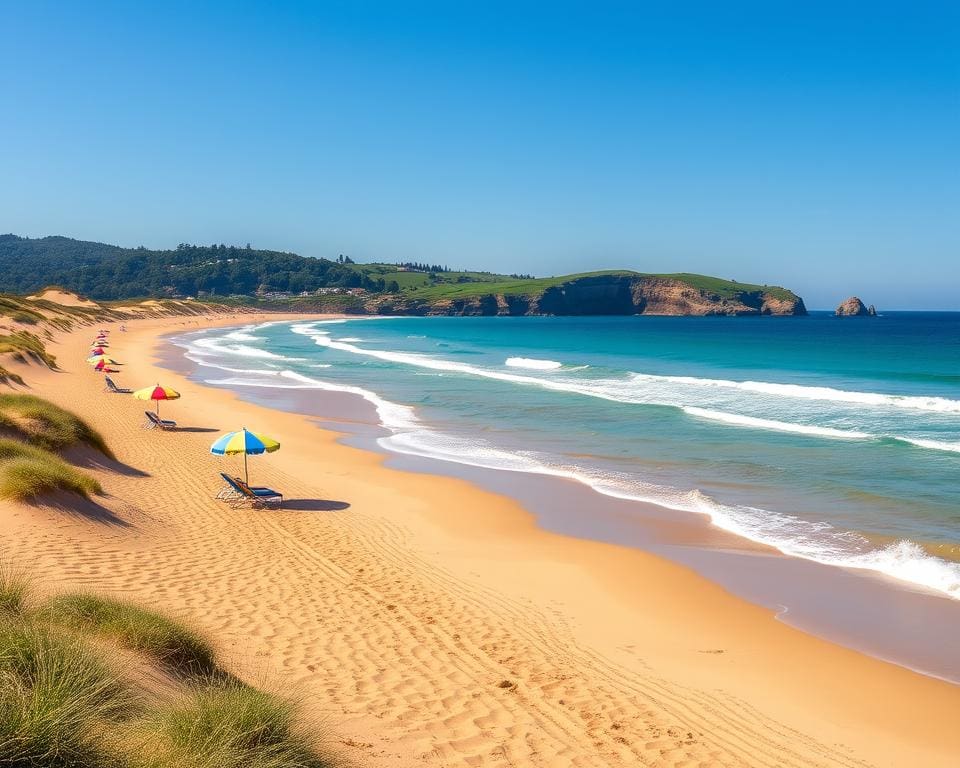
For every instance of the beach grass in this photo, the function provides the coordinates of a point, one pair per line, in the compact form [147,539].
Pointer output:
[18,308]
[233,726]
[27,472]
[23,346]
[64,705]
[49,426]
[58,697]
[14,588]
[170,643]
[8,376]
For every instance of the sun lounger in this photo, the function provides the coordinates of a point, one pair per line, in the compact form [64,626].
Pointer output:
[230,490]
[111,387]
[260,496]
[256,496]
[155,422]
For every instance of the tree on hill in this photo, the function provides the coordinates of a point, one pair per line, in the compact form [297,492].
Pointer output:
[107,272]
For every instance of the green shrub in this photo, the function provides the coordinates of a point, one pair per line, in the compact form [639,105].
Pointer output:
[57,697]
[231,727]
[168,641]
[42,423]
[27,472]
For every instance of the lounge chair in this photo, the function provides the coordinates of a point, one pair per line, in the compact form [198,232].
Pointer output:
[230,491]
[111,387]
[256,497]
[154,422]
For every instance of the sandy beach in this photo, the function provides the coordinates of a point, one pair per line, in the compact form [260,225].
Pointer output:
[425,621]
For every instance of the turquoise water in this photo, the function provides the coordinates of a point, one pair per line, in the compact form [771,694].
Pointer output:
[836,440]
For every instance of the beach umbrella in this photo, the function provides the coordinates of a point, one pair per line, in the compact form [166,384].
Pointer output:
[101,358]
[245,442]
[157,393]
[98,351]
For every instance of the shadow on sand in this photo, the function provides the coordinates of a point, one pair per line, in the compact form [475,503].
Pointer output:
[90,458]
[78,506]
[314,505]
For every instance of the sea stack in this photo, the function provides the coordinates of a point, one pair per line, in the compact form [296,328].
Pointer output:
[853,307]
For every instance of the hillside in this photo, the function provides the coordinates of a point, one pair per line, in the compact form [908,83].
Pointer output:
[596,293]
[290,281]
[105,272]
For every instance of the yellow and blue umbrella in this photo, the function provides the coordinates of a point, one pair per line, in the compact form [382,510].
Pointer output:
[245,442]
[157,393]
[105,358]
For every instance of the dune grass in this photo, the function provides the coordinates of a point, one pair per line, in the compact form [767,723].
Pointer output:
[19,309]
[49,426]
[57,699]
[14,587]
[233,726]
[63,705]
[27,472]
[172,644]
[7,376]
[23,346]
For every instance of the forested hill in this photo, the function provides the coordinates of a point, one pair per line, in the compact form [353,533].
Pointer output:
[103,271]
[282,280]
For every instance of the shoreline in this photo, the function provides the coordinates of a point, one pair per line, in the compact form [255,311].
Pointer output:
[791,588]
[399,604]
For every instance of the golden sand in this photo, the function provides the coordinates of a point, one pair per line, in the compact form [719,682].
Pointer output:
[427,622]
[64,298]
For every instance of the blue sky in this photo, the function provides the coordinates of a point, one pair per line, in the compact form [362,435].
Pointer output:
[811,145]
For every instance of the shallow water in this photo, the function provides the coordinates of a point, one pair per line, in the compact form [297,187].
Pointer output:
[835,440]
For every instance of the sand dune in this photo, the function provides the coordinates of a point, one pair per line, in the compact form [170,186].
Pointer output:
[426,622]
[64,298]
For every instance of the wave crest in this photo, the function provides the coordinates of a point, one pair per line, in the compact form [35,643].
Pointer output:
[530,362]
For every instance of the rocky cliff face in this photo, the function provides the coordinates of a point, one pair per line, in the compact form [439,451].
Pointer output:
[853,307]
[616,294]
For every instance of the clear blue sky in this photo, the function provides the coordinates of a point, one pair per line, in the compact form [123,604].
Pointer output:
[815,145]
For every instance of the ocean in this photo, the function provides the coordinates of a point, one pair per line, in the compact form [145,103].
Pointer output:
[832,440]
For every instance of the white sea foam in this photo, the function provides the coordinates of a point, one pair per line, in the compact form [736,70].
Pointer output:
[933,445]
[808,429]
[244,350]
[771,424]
[529,362]
[392,415]
[829,394]
[243,334]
